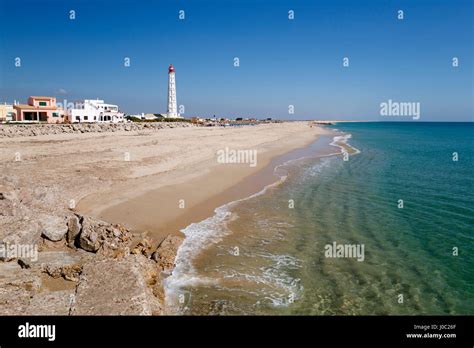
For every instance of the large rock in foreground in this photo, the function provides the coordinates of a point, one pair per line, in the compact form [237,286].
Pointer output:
[54,228]
[116,287]
[100,236]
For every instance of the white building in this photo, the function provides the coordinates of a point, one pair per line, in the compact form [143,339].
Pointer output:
[172,111]
[95,110]
[7,112]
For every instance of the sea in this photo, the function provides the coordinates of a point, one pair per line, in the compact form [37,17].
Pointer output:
[399,193]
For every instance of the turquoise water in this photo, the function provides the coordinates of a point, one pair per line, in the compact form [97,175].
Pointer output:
[261,256]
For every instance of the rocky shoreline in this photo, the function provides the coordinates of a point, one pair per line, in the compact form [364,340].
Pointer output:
[76,264]
[29,130]
[109,270]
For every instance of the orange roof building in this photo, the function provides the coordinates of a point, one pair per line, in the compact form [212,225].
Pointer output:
[39,109]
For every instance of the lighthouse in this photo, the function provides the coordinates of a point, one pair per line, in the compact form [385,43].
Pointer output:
[172,104]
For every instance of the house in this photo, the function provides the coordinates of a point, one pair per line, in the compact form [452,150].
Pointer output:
[7,112]
[39,109]
[95,110]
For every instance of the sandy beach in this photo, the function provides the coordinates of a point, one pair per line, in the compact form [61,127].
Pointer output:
[88,197]
[117,175]
[179,180]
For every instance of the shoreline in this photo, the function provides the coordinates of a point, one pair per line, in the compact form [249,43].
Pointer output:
[203,189]
[44,177]
[214,281]
[199,235]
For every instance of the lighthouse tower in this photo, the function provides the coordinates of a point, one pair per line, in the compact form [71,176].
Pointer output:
[172,104]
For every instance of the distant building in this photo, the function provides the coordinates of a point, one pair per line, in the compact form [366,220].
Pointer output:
[95,110]
[7,113]
[153,116]
[39,109]
[197,120]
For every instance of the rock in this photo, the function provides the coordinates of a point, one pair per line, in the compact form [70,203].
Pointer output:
[42,129]
[46,244]
[89,237]
[50,303]
[54,228]
[7,206]
[21,293]
[68,272]
[151,276]
[12,276]
[74,228]
[115,287]
[165,254]
[101,237]
[14,301]
[66,264]
[20,232]
[143,247]
[123,252]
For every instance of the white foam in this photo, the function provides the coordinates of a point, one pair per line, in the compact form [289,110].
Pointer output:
[318,167]
[199,236]
[276,285]
[343,139]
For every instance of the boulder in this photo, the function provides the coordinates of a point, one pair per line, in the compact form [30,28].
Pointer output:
[101,237]
[54,228]
[74,228]
[115,287]
[89,237]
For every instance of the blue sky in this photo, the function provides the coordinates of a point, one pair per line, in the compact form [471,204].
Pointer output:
[282,62]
